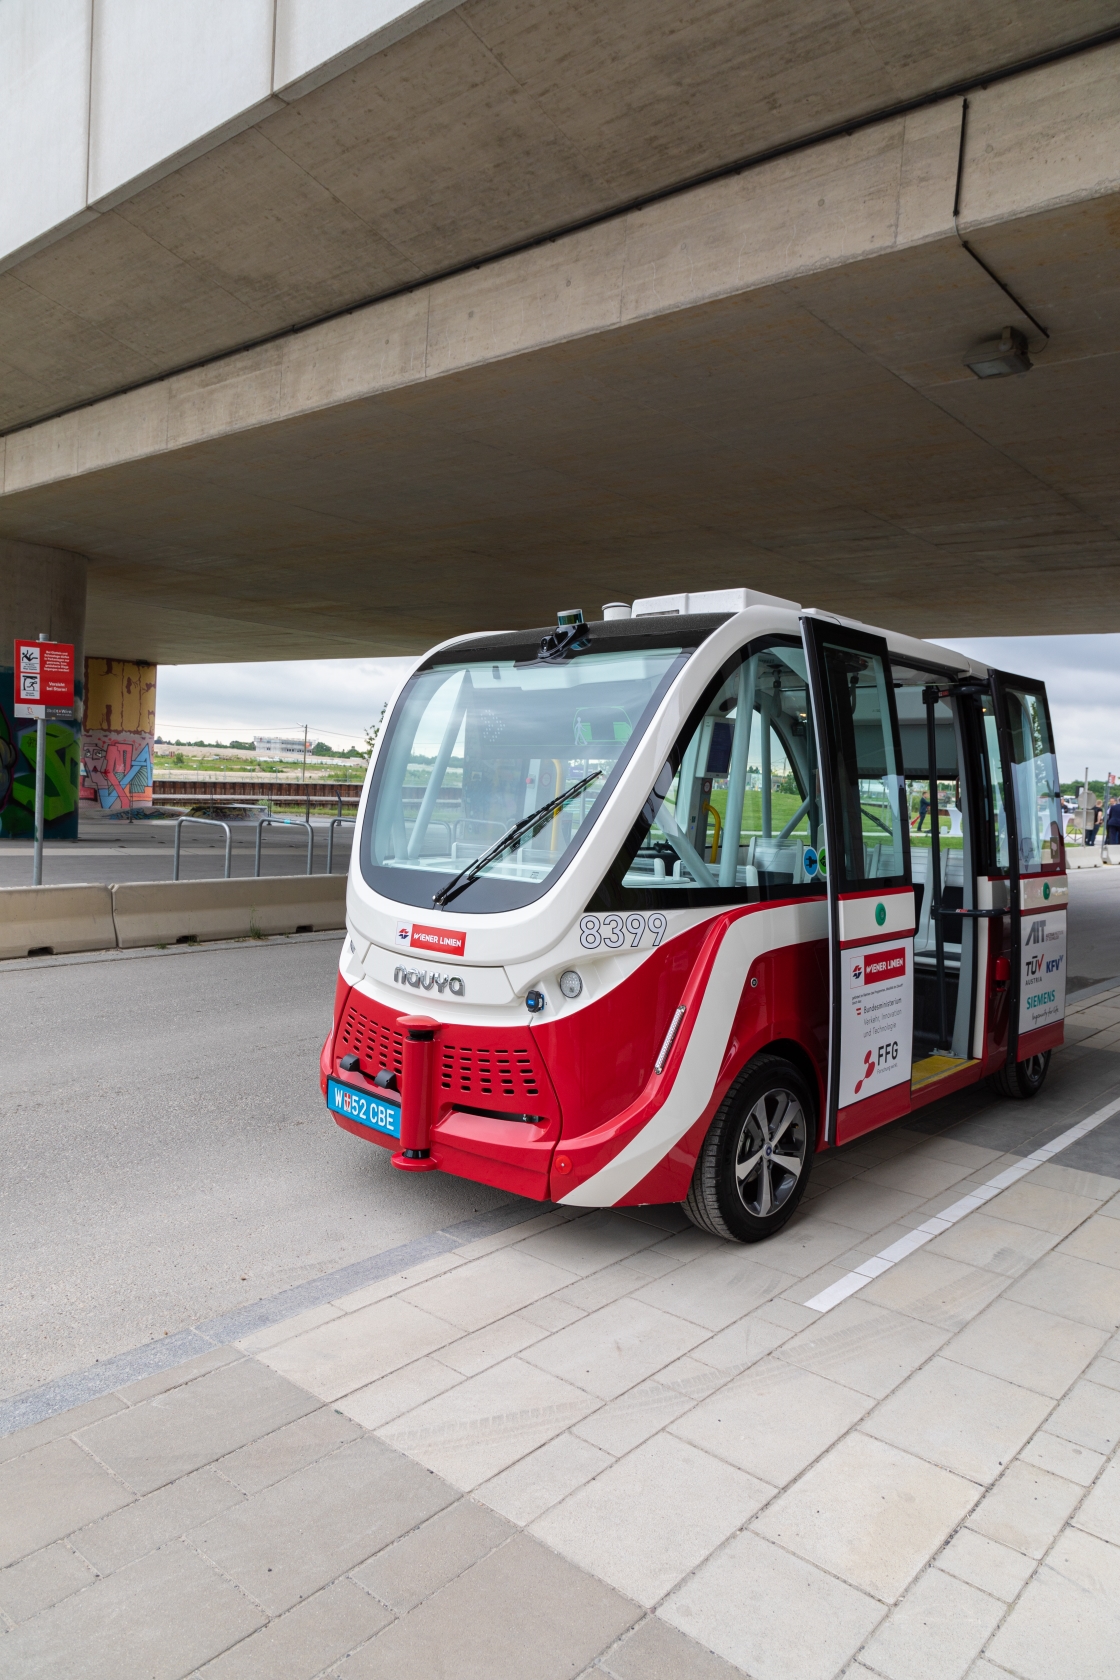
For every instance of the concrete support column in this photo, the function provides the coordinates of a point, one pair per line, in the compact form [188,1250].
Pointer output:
[118,734]
[42,590]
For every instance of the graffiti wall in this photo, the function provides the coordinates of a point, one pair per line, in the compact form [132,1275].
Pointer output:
[17,772]
[118,734]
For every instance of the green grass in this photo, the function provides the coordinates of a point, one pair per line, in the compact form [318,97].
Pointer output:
[782,808]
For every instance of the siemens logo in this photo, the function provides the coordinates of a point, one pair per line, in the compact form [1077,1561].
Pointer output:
[1038,999]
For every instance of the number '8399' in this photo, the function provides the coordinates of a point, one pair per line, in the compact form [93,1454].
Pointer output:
[611,933]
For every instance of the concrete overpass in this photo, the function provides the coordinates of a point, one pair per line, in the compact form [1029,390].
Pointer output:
[331,331]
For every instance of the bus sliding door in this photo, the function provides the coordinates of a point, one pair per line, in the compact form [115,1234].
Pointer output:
[1037,886]
[865,859]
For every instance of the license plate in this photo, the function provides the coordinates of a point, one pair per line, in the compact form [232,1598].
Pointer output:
[374,1112]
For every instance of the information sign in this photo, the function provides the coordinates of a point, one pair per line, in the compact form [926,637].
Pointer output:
[44,680]
[1042,983]
[877,1019]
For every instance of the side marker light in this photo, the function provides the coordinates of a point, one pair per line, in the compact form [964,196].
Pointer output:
[562,1163]
[674,1029]
[570,983]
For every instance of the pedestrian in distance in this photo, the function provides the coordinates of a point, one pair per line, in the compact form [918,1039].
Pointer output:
[1094,823]
[1112,825]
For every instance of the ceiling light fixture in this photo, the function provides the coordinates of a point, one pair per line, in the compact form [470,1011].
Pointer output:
[1006,355]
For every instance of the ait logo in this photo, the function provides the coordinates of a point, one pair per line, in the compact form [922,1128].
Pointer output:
[868,1070]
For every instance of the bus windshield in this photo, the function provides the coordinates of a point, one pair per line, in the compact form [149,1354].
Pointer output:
[474,747]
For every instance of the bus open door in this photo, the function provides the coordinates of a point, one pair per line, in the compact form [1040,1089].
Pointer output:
[1026,887]
[866,862]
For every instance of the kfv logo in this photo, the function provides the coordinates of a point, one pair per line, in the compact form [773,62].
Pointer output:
[1037,935]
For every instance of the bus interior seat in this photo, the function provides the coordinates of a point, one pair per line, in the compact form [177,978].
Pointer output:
[777,857]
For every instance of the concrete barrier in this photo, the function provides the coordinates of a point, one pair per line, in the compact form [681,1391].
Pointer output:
[171,912]
[42,920]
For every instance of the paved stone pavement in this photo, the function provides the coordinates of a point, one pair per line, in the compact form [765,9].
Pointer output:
[607,1444]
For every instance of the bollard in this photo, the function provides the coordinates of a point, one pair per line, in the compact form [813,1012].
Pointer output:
[416,1094]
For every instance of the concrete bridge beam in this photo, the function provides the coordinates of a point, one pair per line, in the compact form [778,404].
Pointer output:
[760,380]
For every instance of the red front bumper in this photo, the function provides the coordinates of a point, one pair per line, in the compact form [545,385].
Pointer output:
[495,1114]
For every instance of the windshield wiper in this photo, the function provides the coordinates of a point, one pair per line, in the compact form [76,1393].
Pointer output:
[535,821]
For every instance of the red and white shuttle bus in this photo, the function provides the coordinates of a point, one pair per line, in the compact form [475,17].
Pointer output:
[653,908]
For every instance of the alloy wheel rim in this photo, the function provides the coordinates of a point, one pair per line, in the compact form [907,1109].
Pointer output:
[1034,1067]
[770,1155]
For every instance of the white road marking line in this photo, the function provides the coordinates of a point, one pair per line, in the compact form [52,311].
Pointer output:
[922,1234]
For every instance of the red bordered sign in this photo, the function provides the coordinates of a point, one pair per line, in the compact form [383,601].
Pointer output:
[44,680]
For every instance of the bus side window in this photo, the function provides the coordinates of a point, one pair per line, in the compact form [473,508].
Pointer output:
[735,809]
[868,780]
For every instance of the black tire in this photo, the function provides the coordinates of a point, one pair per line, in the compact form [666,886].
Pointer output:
[1024,1079]
[750,1207]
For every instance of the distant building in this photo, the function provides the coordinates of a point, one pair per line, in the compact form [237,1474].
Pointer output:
[279,746]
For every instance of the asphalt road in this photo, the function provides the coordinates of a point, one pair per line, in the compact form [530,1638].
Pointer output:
[1093,935]
[165,1154]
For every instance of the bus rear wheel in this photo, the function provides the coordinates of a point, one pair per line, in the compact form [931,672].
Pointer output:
[754,1164]
[1023,1079]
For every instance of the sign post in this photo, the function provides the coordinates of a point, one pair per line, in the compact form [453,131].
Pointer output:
[44,689]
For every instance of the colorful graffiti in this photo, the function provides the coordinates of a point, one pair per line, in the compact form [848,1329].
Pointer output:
[117,737]
[116,769]
[17,773]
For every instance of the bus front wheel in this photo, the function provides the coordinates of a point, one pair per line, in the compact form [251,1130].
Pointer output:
[1022,1079]
[754,1164]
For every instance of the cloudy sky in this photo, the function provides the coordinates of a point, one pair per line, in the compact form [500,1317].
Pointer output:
[337,698]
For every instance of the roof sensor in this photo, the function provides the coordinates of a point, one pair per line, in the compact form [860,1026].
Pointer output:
[1007,355]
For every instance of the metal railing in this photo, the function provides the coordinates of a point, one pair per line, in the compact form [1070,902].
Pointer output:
[284,822]
[261,824]
[336,822]
[205,822]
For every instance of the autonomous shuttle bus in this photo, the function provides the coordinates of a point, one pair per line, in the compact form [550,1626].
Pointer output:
[652,908]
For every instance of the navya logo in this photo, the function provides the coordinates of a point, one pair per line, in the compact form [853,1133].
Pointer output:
[427,980]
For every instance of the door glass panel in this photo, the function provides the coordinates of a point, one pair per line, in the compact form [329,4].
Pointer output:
[1034,777]
[734,814]
[997,808]
[937,791]
[866,775]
